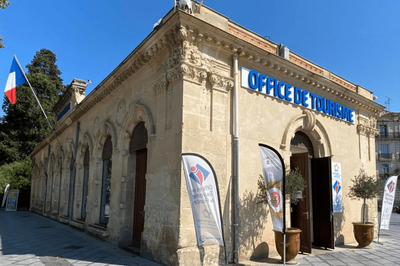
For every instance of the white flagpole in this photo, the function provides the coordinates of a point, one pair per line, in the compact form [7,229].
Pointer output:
[23,72]
[34,94]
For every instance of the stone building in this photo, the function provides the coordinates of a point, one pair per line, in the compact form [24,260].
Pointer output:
[201,83]
[388,147]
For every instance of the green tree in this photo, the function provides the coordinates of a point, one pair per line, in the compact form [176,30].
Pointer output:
[17,174]
[24,124]
[364,187]
[3,5]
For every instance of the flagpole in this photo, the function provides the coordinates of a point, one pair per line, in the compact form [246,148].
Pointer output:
[23,72]
[34,94]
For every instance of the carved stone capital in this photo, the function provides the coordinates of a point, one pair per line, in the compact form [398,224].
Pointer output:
[367,127]
[220,83]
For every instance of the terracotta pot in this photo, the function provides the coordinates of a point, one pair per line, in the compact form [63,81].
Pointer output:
[363,233]
[292,243]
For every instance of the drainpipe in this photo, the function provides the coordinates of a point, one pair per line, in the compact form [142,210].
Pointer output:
[236,162]
[73,173]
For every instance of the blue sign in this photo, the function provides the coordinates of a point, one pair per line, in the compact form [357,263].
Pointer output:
[268,85]
[64,111]
[337,196]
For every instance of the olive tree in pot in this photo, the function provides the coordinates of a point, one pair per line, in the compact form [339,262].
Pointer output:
[294,187]
[364,187]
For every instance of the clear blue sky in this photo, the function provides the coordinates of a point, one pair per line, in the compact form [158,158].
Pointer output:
[358,40]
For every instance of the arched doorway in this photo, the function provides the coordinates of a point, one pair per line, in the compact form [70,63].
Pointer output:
[312,214]
[138,154]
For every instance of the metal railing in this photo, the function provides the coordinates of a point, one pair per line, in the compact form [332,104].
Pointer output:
[389,136]
[385,156]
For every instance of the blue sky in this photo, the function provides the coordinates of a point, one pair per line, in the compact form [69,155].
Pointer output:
[358,40]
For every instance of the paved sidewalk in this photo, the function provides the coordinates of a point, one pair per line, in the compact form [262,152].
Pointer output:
[384,253]
[29,239]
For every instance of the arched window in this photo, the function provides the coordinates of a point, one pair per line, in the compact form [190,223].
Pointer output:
[85,184]
[106,184]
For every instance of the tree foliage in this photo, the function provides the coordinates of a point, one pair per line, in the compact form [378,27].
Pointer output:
[17,174]
[3,5]
[364,187]
[24,124]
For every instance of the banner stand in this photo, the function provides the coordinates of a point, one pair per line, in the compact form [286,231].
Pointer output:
[273,168]
[203,190]
[387,203]
[379,228]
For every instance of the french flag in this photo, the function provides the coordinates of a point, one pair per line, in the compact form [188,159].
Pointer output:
[15,78]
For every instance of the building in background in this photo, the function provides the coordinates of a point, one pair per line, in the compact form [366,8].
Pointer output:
[200,83]
[388,147]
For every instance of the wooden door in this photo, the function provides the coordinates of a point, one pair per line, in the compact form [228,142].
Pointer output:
[140,196]
[322,202]
[300,217]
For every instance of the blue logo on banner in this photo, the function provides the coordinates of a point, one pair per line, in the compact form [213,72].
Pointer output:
[391,186]
[337,186]
[198,174]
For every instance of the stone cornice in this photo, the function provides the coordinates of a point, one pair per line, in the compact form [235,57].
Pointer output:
[295,59]
[255,40]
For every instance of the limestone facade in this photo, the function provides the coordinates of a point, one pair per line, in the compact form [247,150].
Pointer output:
[174,94]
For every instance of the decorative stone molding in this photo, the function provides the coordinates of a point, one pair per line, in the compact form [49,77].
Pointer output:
[157,87]
[140,112]
[308,123]
[109,130]
[96,126]
[259,42]
[121,112]
[69,147]
[87,142]
[367,127]
[186,62]
[343,83]
[221,83]
[305,64]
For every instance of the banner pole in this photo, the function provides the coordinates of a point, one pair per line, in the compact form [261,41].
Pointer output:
[379,225]
[284,248]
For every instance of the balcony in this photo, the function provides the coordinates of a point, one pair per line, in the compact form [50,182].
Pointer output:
[385,156]
[389,136]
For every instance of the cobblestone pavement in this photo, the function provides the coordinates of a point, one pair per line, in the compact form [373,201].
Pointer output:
[384,253]
[29,239]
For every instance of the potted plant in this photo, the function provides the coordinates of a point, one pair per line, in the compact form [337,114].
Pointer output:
[364,187]
[294,187]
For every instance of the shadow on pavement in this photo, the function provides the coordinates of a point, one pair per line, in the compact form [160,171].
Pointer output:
[24,233]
